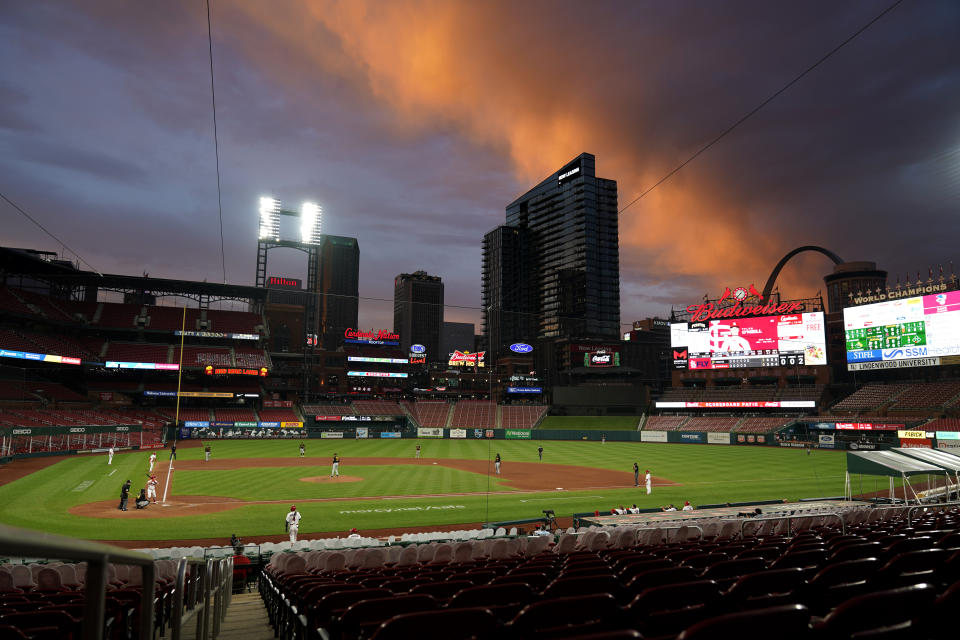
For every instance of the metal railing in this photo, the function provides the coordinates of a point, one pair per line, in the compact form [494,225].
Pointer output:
[35,544]
[204,597]
[929,507]
[746,521]
[671,528]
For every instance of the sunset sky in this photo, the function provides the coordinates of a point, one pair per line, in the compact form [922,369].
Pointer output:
[414,123]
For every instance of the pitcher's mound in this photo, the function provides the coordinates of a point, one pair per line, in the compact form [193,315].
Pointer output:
[336,480]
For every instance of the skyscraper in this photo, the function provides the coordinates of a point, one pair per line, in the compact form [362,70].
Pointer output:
[418,311]
[339,289]
[553,270]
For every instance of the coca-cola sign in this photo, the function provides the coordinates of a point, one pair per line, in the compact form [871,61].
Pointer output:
[602,358]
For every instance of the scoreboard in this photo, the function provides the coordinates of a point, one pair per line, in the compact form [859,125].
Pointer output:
[768,341]
[910,332]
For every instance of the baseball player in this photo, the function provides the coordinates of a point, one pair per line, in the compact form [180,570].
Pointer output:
[153,460]
[110,455]
[303,449]
[496,463]
[540,453]
[206,454]
[636,474]
[649,482]
[418,452]
[152,488]
[293,523]
[335,469]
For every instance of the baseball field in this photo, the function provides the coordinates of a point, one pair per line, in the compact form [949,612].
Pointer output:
[248,486]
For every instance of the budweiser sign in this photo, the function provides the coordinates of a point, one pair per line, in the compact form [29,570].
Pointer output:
[382,334]
[465,358]
[710,311]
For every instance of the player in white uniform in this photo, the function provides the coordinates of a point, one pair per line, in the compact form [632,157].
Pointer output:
[293,523]
[649,482]
[110,455]
[153,460]
[152,489]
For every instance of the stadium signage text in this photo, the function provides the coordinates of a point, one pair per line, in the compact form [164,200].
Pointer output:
[382,334]
[896,294]
[793,404]
[376,374]
[893,364]
[465,358]
[867,426]
[708,311]
[567,174]
[40,357]
[417,348]
[524,389]
[279,282]
[521,347]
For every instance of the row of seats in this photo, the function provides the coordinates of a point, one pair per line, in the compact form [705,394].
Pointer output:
[821,583]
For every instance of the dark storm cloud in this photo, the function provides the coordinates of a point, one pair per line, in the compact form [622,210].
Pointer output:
[414,123]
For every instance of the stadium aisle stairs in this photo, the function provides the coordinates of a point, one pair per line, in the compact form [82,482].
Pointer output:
[246,618]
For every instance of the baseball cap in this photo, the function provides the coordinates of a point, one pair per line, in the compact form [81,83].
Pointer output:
[293,507]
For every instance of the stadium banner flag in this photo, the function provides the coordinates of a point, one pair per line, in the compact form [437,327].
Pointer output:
[291,425]
[516,434]
[332,435]
[826,441]
[458,433]
[653,436]
[718,438]
[429,432]
[389,434]
[363,432]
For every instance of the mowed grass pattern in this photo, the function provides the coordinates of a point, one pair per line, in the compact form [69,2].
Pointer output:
[708,474]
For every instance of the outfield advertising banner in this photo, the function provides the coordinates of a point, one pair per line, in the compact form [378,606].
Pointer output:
[291,425]
[429,432]
[458,433]
[653,436]
[363,432]
[332,435]
[269,425]
[693,437]
[826,441]
[718,438]
[196,424]
[947,443]
[516,434]
[389,434]
[751,439]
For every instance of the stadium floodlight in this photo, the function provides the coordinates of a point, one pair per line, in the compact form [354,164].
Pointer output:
[311,216]
[269,219]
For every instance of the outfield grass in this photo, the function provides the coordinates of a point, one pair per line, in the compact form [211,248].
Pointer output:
[709,474]
[599,423]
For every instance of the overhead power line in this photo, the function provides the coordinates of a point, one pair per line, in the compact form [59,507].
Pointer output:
[216,143]
[46,231]
[760,106]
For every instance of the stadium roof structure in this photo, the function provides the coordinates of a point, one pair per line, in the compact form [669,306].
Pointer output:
[37,265]
[893,465]
[942,459]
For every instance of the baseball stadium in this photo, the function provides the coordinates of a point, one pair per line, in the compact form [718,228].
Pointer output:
[747,460]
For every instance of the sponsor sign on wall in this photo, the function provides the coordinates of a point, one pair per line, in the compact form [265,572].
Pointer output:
[948,444]
[516,434]
[521,347]
[196,424]
[291,425]
[862,446]
[269,425]
[693,437]
[458,433]
[524,389]
[916,443]
[363,432]
[329,418]
[332,435]
[429,432]
[783,404]
[718,438]
[653,436]
[278,404]
[826,441]
[912,434]
[389,434]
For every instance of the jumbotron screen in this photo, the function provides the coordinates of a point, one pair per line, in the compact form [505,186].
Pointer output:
[911,332]
[740,343]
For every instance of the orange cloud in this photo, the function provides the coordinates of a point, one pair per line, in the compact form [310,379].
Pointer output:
[442,65]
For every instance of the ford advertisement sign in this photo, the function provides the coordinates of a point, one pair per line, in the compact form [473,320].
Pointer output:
[521,347]
[417,348]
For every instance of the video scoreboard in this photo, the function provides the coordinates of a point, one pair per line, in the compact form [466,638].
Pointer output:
[768,341]
[910,332]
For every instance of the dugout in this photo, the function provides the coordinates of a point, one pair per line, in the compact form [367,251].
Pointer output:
[892,465]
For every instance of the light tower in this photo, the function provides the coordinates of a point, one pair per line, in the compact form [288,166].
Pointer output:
[268,237]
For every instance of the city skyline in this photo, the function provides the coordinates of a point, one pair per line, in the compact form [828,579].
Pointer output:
[414,140]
